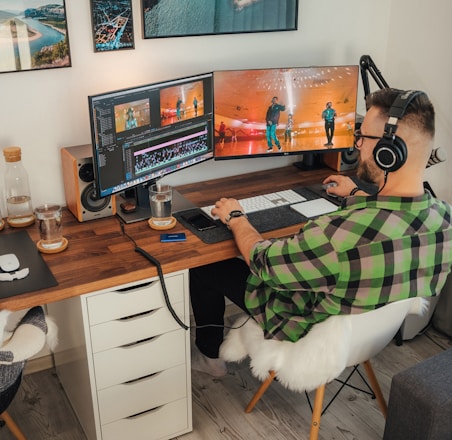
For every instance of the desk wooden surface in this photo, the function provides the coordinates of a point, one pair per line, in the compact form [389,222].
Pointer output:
[100,257]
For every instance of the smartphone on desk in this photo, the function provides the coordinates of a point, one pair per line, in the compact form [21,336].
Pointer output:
[199,220]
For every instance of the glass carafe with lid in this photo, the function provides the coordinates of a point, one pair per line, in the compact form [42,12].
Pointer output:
[17,189]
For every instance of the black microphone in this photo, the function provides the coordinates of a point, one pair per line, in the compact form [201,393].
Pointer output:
[438,155]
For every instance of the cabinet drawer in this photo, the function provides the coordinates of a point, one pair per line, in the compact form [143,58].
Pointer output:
[156,424]
[131,362]
[135,328]
[107,306]
[125,400]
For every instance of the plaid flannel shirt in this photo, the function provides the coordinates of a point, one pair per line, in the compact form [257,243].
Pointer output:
[373,251]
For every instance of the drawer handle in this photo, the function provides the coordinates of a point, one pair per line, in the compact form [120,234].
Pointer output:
[145,413]
[138,315]
[139,286]
[141,341]
[140,379]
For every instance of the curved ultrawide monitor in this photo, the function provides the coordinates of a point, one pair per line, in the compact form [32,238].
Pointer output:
[284,111]
[143,133]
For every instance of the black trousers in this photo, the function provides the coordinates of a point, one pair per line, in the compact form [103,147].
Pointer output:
[209,285]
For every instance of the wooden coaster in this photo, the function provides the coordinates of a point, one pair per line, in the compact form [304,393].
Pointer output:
[162,227]
[21,225]
[52,251]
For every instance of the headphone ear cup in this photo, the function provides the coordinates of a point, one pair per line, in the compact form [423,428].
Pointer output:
[390,153]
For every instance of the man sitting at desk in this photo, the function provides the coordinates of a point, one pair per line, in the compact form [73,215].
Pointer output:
[374,250]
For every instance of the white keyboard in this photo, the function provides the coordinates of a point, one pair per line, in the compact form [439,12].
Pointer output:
[264,201]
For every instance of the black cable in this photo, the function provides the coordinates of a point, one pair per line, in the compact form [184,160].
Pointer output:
[157,264]
[162,282]
[384,182]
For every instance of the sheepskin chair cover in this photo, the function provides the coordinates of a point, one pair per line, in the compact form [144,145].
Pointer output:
[314,360]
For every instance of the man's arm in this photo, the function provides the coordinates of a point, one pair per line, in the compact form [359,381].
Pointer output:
[245,234]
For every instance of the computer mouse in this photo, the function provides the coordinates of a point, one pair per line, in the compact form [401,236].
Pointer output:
[9,262]
[329,185]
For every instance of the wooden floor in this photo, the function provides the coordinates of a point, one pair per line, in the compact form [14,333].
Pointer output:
[43,411]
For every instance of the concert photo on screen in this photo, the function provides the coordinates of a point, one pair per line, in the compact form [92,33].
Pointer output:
[284,111]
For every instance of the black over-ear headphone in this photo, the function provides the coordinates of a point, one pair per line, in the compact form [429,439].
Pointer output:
[391,153]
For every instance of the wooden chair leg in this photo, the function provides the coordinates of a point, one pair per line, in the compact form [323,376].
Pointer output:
[15,430]
[376,388]
[317,412]
[260,392]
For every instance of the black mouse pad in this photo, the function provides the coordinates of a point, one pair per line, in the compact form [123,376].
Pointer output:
[40,276]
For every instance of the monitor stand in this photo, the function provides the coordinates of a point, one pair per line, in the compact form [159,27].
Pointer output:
[143,209]
[310,161]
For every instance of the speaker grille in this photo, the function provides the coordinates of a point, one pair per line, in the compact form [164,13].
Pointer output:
[91,202]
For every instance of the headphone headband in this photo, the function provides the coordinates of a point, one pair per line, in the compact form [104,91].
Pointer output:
[391,153]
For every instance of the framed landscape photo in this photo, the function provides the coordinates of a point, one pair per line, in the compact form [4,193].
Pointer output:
[180,18]
[33,35]
[112,25]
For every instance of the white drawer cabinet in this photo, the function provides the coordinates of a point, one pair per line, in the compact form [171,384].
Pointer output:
[124,361]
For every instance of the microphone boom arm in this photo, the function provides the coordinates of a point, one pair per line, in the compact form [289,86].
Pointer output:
[367,66]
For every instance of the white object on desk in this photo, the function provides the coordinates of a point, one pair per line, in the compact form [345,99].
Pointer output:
[9,262]
[314,208]
[11,276]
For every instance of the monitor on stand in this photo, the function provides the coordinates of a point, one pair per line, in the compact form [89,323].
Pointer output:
[315,112]
[141,134]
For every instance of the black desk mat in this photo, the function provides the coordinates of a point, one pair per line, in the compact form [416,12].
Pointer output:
[40,276]
[263,221]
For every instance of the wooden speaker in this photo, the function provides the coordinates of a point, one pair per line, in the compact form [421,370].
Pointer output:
[78,175]
[342,160]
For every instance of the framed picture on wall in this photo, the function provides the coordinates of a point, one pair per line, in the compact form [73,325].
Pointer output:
[112,25]
[33,35]
[180,18]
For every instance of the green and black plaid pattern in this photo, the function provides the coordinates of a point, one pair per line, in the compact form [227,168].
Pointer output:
[373,251]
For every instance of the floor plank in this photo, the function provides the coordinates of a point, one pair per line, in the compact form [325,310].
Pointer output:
[43,411]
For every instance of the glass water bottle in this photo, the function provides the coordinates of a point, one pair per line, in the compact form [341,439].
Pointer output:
[17,190]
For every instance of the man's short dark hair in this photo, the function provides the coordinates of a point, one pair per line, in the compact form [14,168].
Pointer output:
[419,113]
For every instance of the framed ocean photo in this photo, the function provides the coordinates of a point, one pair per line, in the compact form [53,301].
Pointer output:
[33,35]
[181,18]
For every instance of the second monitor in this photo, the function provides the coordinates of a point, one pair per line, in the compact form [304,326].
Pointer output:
[284,111]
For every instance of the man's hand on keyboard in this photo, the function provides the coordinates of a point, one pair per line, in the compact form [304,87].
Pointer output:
[224,206]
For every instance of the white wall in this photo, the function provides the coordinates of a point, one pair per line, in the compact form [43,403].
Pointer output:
[419,57]
[44,110]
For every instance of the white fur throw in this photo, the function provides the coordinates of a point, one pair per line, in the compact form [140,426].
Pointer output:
[316,359]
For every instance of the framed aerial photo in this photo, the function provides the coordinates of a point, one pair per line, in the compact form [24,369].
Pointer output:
[112,25]
[33,35]
[181,18]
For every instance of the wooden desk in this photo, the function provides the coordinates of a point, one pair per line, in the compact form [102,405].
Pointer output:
[116,331]
[99,256]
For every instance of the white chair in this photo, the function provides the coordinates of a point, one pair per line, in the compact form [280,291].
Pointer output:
[28,338]
[312,362]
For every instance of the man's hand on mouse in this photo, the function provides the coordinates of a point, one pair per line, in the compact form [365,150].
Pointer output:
[344,185]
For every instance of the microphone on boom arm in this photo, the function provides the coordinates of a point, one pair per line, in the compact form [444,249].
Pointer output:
[438,155]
